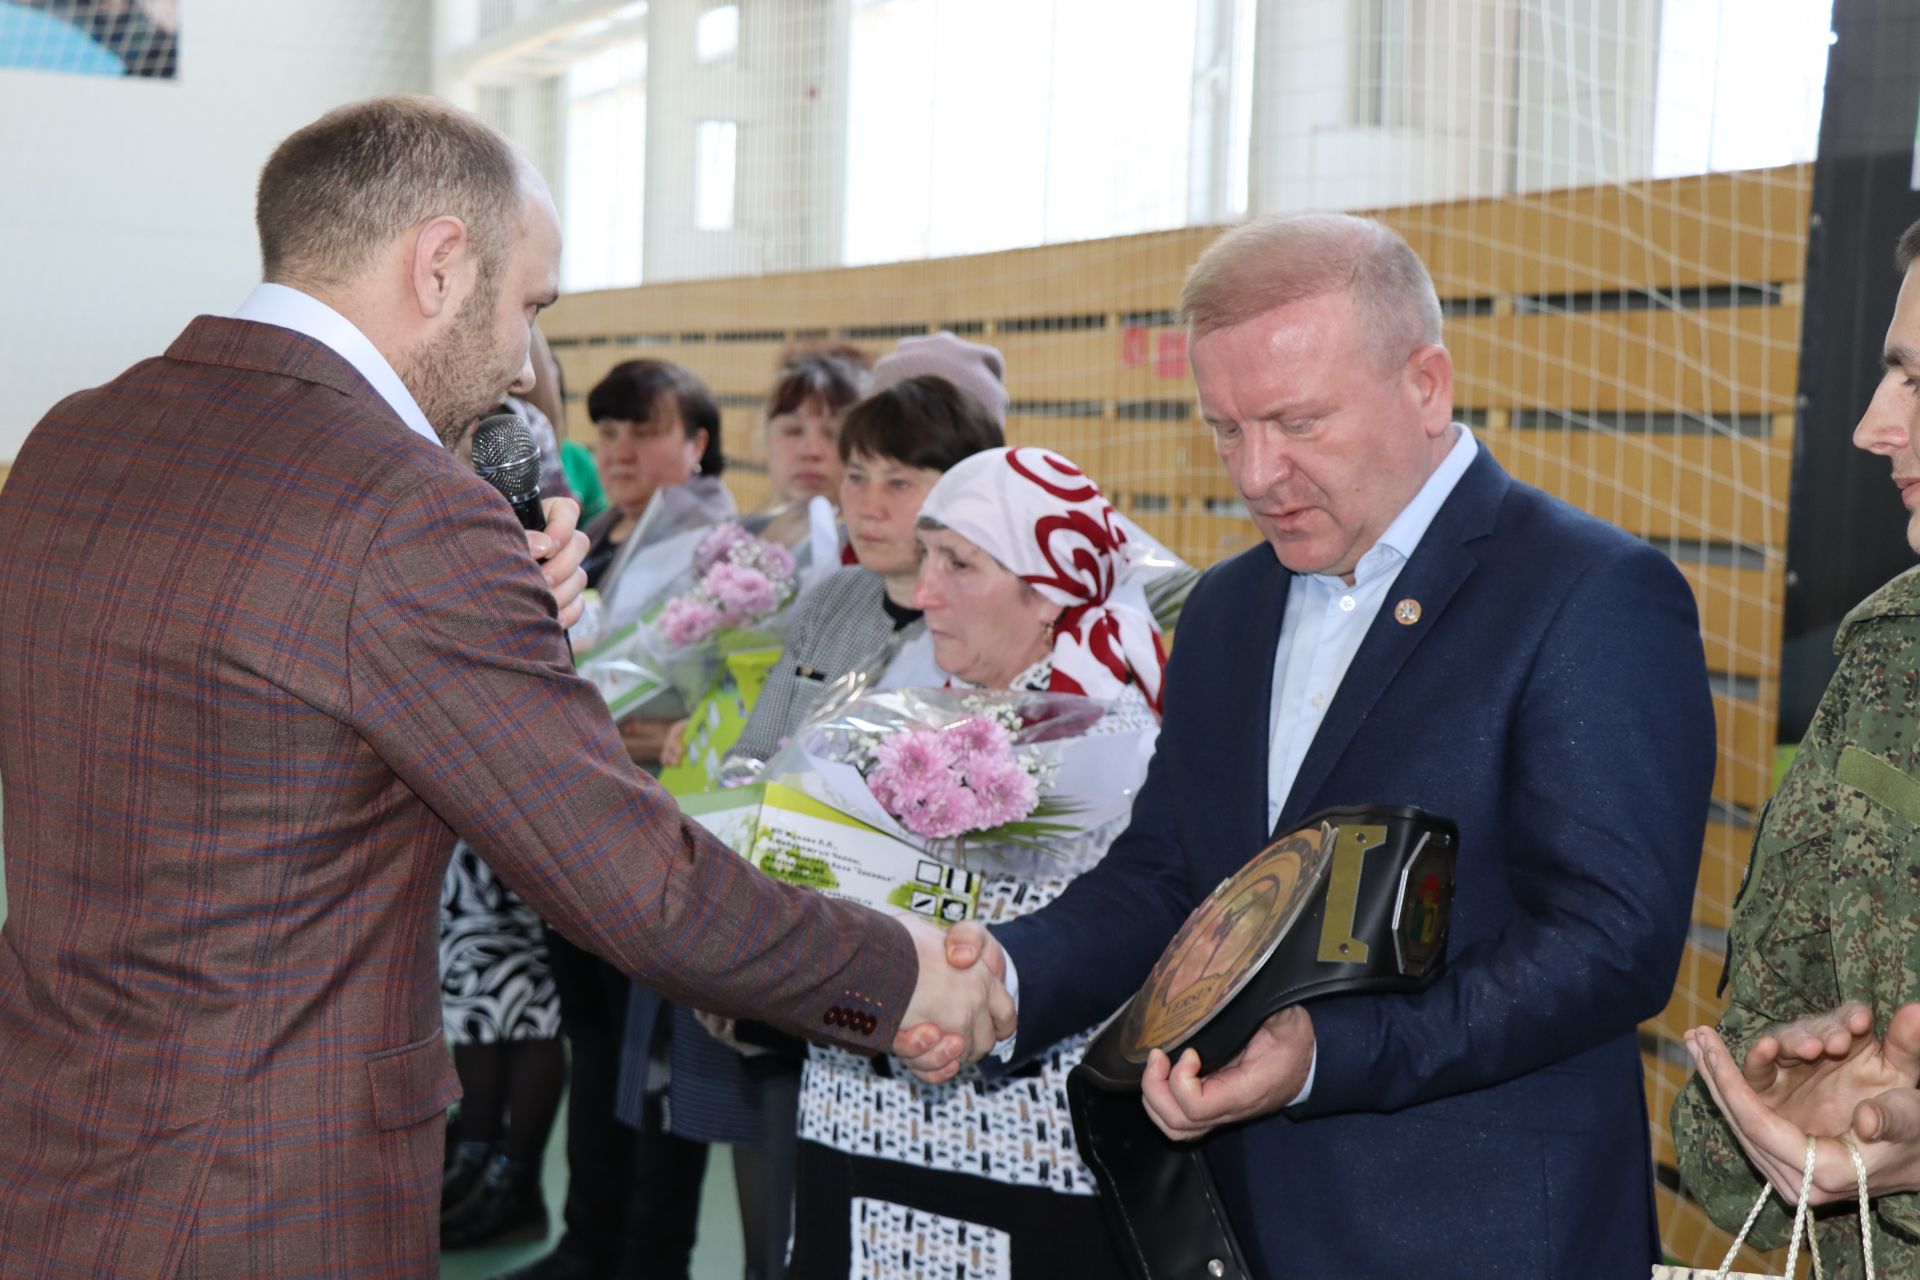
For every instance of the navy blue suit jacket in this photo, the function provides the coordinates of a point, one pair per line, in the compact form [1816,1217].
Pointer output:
[1552,699]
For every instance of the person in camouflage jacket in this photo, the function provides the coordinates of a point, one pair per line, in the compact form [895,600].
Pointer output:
[1829,912]
[1824,952]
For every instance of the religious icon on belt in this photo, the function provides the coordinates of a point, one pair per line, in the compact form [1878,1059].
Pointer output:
[1224,942]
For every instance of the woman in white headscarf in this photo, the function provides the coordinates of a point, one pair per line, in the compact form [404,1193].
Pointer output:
[1061,552]
[1022,585]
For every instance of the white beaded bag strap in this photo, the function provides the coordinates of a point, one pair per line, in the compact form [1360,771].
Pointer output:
[1800,1224]
[1802,1216]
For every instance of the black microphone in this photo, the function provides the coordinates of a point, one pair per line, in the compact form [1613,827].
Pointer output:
[506,457]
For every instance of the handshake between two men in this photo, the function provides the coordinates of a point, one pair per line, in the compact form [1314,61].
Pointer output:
[962,1008]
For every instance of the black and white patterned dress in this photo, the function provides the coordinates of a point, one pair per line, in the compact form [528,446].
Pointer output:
[494,981]
[969,1180]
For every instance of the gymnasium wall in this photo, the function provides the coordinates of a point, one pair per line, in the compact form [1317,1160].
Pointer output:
[1630,347]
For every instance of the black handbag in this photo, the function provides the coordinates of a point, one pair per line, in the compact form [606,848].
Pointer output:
[1356,900]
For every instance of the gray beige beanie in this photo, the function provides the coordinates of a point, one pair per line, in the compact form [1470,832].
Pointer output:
[975,368]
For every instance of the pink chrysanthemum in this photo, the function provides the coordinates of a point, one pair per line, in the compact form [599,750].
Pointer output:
[947,810]
[740,593]
[688,620]
[1003,793]
[717,545]
[776,561]
[912,760]
[942,783]
[978,738]
[885,788]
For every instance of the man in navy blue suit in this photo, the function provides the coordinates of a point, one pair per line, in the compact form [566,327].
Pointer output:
[1421,629]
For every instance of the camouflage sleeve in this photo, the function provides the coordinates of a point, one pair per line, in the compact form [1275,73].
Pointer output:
[1713,1168]
[1874,912]
[1827,911]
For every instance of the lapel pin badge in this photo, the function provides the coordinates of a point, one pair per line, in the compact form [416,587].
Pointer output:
[1407,612]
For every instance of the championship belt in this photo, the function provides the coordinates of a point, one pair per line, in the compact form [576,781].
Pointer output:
[1356,900]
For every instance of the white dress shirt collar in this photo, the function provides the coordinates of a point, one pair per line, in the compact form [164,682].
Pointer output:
[1397,541]
[1404,534]
[288,308]
[1326,620]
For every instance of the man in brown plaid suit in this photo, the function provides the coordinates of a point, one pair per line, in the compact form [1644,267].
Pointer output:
[265,646]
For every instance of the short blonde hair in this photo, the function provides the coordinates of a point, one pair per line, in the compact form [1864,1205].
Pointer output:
[1271,262]
[340,190]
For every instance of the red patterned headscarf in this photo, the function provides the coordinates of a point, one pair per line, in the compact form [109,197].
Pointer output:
[1041,518]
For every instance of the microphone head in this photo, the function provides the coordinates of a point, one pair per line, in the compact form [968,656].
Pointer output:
[506,457]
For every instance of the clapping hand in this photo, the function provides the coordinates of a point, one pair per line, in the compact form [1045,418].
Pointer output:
[960,1006]
[1821,1076]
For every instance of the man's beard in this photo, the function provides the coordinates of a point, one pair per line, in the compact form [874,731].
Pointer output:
[454,378]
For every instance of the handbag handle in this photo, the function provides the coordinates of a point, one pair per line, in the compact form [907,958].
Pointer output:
[1799,1223]
[1866,1224]
[1802,1217]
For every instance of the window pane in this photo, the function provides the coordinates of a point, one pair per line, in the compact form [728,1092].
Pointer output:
[715,143]
[1741,84]
[606,168]
[976,125]
[716,34]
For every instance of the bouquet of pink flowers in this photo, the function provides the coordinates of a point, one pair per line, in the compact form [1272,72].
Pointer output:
[951,781]
[740,579]
[730,595]
[1017,782]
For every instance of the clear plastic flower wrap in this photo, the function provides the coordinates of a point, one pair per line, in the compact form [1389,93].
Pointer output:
[734,595]
[1162,578]
[1034,785]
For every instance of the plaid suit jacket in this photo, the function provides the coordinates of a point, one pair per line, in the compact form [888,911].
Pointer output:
[263,650]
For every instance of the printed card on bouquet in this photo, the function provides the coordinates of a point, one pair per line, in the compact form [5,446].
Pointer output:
[792,837]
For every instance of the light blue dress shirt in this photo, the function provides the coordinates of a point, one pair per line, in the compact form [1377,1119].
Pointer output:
[288,308]
[1326,620]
